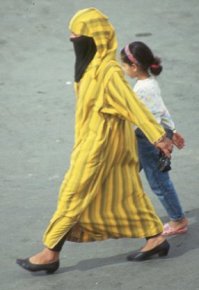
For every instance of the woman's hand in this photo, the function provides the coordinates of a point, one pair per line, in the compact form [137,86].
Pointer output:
[165,145]
[178,140]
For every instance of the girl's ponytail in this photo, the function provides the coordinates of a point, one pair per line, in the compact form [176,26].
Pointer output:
[155,68]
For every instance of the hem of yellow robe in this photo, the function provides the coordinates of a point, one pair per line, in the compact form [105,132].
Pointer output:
[79,235]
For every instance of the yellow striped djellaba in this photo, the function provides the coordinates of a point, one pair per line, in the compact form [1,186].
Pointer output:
[101,195]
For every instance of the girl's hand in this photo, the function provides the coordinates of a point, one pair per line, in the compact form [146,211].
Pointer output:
[165,145]
[178,140]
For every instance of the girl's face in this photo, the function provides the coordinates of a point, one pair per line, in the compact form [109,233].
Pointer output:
[130,70]
[134,71]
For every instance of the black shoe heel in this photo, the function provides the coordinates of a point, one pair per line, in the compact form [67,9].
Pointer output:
[161,250]
[51,271]
[164,253]
[48,268]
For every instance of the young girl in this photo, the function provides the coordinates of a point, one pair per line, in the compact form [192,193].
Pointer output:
[139,62]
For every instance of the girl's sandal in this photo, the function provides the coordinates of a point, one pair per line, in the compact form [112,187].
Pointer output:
[170,231]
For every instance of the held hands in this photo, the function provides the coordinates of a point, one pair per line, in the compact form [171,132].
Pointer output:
[178,140]
[165,145]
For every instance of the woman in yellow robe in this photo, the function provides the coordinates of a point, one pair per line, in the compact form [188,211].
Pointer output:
[101,195]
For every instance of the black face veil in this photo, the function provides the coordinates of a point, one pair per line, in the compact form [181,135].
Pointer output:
[85,50]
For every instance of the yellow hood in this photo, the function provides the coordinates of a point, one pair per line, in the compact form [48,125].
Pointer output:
[93,23]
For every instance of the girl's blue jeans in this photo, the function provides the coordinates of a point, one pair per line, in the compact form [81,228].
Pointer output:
[159,182]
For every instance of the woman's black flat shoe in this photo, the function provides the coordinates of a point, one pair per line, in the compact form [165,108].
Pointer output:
[161,250]
[27,265]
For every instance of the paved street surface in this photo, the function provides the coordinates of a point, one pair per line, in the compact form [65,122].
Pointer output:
[36,137]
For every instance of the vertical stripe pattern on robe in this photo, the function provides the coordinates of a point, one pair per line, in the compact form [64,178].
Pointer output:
[101,195]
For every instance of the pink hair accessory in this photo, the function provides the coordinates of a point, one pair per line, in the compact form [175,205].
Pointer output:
[129,54]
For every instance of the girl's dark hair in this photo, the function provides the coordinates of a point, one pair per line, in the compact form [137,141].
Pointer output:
[144,57]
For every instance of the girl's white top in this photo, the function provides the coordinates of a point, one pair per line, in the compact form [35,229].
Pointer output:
[149,93]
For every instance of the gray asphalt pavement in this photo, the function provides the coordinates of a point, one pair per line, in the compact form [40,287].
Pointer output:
[36,137]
